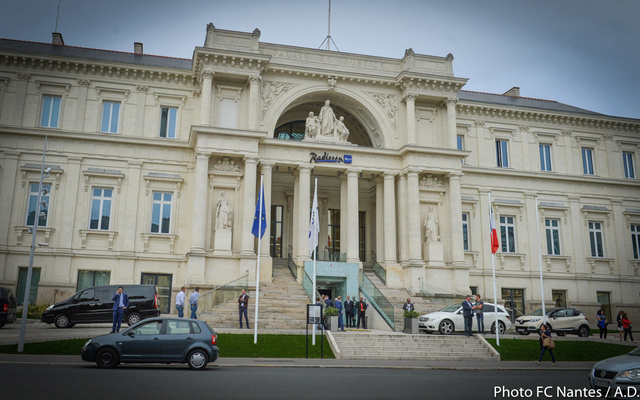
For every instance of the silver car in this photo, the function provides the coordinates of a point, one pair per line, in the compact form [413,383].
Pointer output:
[617,377]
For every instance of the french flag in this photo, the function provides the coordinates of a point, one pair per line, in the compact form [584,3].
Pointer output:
[495,243]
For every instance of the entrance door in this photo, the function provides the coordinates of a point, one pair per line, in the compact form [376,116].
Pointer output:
[514,302]
[275,242]
[163,282]
[22,279]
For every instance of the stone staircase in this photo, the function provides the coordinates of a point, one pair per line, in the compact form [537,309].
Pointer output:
[394,346]
[282,304]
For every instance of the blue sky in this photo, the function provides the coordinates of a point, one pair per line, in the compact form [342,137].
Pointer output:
[585,53]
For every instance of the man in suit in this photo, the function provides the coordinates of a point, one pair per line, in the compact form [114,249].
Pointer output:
[361,307]
[243,304]
[338,304]
[349,307]
[467,313]
[120,304]
[408,306]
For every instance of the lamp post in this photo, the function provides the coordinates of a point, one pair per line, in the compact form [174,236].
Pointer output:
[34,232]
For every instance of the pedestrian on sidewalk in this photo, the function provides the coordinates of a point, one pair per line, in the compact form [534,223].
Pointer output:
[193,301]
[619,321]
[349,307]
[243,306]
[545,333]
[180,302]
[477,308]
[626,325]
[601,320]
[361,306]
[120,304]
[338,304]
[467,314]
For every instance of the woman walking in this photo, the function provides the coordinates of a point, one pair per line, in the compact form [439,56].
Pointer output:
[545,334]
[626,325]
[619,321]
[601,320]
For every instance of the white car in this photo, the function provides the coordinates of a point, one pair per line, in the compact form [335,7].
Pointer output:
[450,320]
[560,320]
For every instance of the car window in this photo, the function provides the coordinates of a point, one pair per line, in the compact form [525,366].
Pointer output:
[195,327]
[560,314]
[105,294]
[88,294]
[570,313]
[150,328]
[451,308]
[488,308]
[178,327]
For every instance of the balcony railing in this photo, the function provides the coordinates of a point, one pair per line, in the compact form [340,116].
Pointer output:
[229,291]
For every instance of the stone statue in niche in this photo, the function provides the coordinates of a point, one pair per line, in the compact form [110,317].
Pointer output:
[325,126]
[327,119]
[341,130]
[431,226]
[311,126]
[223,213]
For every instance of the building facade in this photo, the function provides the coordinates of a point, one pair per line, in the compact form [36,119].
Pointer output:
[154,166]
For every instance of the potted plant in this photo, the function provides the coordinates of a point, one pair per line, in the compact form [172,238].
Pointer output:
[411,322]
[331,317]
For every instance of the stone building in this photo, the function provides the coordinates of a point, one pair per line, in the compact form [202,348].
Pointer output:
[155,166]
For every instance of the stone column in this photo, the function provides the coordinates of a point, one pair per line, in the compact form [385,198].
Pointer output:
[9,173]
[249,206]
[352,216]
[344,213]
[198,224]
[295,214]
[205,97]
[403,215]
[413,222]
[304,215]
[389,219]
[254,98]
[70,202]
[379,220]
[410,100]
[455,205]
[452,131]
[131,209]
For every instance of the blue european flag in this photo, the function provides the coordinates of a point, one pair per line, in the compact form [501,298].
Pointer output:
[260,218]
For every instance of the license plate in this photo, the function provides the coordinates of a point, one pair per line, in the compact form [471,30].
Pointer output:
[600,382]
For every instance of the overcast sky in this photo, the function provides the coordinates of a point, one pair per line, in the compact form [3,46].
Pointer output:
[585,53]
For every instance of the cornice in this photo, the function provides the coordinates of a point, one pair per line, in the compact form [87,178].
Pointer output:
[543,117]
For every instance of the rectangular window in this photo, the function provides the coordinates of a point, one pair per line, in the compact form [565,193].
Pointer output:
[559,298]
[23,272]
[545,157]
[32,207]
[333,240]
[92,278]
[161,212]
[635,239]
[465,231]
[595,239]
[276,231]
[508,234]
[629,170]
[502,153]
[604,299]
[553,236]
[110,116]
[362,220]
[50,111]
[101,208]
[460,144]
[168,122]
[587,161]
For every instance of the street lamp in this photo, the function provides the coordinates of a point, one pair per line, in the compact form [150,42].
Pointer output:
[34,232]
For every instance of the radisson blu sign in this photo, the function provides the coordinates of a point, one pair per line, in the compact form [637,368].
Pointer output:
[318,158]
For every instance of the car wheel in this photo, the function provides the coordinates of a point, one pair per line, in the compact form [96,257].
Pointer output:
[523,332]
[62,321]
[501,325]
[584,331]
[134,318]
[1,324]
[446,327]
[197,359]
[107,358]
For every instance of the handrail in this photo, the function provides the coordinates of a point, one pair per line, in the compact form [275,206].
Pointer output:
[380,272]
[307,284]
[293,268]
[221,294]
[427,289]
[377,299]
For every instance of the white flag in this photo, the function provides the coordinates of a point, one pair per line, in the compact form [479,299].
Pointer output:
[314,227]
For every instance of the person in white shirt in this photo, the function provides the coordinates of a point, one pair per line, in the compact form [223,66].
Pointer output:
[180,302]
[193,300]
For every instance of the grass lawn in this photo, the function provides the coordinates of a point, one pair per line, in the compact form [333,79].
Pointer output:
[529,350]
[268,346]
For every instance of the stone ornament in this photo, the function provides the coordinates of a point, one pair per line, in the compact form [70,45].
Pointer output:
[226,165]
[326,127]
[431,227]
[430,181]
[223,213]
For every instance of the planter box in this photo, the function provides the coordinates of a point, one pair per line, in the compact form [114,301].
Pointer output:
[333,323]
[411,326]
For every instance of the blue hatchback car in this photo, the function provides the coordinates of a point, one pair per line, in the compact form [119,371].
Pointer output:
[156,340]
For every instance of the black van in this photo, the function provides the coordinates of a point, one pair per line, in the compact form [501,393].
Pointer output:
[7,307]
[95,304]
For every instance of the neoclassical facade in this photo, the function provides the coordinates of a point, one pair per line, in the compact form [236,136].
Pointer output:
[156,163]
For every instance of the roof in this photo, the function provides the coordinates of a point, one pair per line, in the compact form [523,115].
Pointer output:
[94,54]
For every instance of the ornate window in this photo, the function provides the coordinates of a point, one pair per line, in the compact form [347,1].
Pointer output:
[595,239]
[110,116]
[101,199]
[502,153]
[545,157]
[161,212]
[32,207]
[635,239]
[168,118]
[628,162]
[50,115]
[587,161]
[508,234]
[552,230]
[465,231]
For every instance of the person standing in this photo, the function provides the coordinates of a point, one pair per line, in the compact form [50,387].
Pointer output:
[338,304]
[361,306]
[180,302]
[193,301]
[243,306]
[619,321]
[601,320]
[544,334]
[327,301]
[120,304]
[477,308]
[348,308]
[626,325]
[408,306]
[467,313]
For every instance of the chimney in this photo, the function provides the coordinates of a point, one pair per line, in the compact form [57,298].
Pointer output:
[514,91]
[57,39]
[137,48]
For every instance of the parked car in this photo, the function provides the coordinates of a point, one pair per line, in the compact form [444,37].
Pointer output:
[7,307]
[95,304]
[156,340]
[560,320]
[617,377]
[449,320]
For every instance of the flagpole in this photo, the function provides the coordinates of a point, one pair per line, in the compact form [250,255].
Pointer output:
[544,313]
[493,269]
[315,257]
[255,322]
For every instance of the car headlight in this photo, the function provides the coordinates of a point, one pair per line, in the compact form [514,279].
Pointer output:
[535,320]
[424,319]
[86,343]
[631,374]
[49,308]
